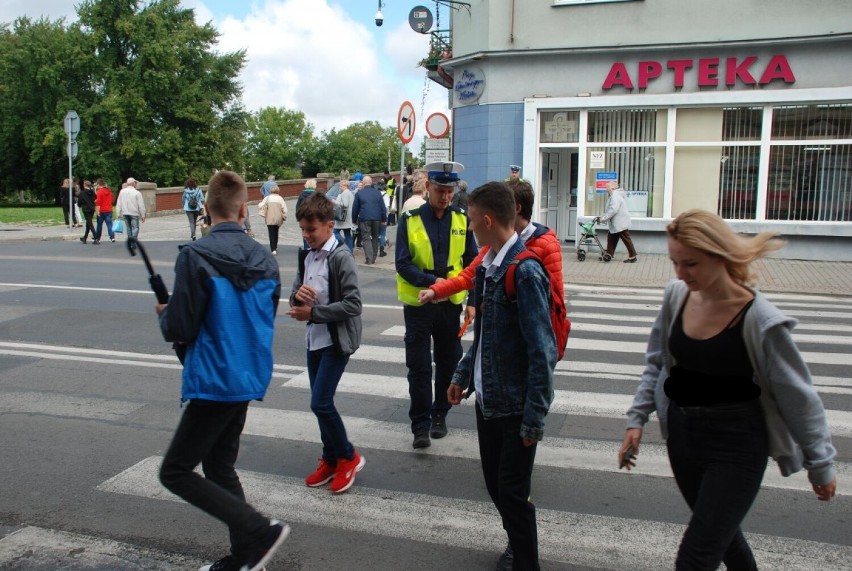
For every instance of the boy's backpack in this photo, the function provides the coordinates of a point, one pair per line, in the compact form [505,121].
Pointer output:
[558,312]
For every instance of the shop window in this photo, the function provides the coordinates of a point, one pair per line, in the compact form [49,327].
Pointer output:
[738,178]
[640,171]
[810,182]
[559,127]
[706,124]
[808,122]
[628,126]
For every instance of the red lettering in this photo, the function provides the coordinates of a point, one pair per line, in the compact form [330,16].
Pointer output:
[648,70]
[618,76]
[679,66]
[777,68]
[708,72]
[734,71]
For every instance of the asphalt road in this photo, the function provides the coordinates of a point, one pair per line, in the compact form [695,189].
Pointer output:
[89,398]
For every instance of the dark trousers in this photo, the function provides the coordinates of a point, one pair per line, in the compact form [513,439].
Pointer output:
[612,241]
[369,230]
[273,236]
[209,434]
[89,226]
[438,323]
[325,367]
[507,467]
[192,217]
[73,215]
[718,464]
[345,236]
[104,218]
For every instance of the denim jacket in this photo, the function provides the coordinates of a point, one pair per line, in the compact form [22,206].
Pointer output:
[518,354]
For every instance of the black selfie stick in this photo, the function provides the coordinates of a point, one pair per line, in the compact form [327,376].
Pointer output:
[157,285]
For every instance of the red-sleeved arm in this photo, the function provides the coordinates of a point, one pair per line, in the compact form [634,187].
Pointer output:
[460,282]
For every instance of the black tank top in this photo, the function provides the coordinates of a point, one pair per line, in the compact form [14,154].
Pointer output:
[711,371]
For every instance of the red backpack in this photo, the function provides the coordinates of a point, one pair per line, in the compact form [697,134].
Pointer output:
[558,312]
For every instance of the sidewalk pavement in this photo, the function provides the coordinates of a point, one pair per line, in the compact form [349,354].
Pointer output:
[651,271]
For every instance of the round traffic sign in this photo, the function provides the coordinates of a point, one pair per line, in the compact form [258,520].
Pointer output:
[437,125]
[406,122]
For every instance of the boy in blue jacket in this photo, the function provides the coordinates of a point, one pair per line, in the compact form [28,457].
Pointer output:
[223,307]
[510,369]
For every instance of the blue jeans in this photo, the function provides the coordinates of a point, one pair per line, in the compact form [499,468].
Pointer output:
[438,323]
[131,226]
[209,434]
[345,236]
[104,218]
[383,236]
[507,467]
[718,463]
[325,367]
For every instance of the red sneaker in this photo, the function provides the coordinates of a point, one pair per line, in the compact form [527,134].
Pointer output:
[344,477]
[322,475]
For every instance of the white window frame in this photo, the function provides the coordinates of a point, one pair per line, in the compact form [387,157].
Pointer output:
[765,98]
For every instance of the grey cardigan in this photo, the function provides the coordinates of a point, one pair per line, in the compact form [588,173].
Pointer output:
[343,312]
[795,417]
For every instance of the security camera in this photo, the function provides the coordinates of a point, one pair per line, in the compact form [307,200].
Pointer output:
[380,19]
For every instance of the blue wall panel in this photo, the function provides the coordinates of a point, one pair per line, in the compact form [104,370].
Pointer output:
[487,139]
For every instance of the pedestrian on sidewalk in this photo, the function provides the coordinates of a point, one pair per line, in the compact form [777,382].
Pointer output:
[103,211]
[730,388]
[193,204]
[131,206]
[326,296]
[617,217]
[86,202]
[233,307]
[343,228]
[509,367]
[66,203]
[273,210]
[370,213]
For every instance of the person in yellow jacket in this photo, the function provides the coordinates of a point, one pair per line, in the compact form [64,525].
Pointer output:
[433,243]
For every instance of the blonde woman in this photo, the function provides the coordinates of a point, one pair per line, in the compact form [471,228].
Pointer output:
[274,211]
[730,388]
[418,196]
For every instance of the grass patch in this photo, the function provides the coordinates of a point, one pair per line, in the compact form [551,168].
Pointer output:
[32,215]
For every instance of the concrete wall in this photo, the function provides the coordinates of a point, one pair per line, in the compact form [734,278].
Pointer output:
[494,25]
[487,139]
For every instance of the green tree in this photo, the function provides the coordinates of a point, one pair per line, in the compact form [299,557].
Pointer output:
[45,69]
[363,146]
[278,140]
[166,104]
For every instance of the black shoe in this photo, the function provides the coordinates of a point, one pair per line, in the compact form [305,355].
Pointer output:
[439,427]
[96,241]
[193,238]
[83,240]
[227,563]
[262,551]
[421,439]
[630,260]
[506,560]
[112,240]
[382,253]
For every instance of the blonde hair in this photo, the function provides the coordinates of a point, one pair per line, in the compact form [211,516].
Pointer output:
[419,187]
[226,193]
[708,232]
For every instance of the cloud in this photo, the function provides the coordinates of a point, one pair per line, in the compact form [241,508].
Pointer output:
[50,9]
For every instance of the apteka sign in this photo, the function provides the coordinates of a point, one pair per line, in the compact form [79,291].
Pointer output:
[710,72]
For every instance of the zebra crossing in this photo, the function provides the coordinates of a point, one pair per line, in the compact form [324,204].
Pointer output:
[596,382]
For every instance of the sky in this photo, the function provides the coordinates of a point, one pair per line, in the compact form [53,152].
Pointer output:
[326,58]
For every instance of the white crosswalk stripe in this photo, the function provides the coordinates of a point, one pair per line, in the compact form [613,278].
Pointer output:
[606,346]
[576,538]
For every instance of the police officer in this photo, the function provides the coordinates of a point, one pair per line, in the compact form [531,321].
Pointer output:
[515,174]
[433,243]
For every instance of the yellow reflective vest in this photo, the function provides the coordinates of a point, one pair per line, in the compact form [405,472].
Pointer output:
[421,254]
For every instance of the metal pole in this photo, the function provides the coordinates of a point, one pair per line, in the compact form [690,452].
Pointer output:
[70,185]
[399,188]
